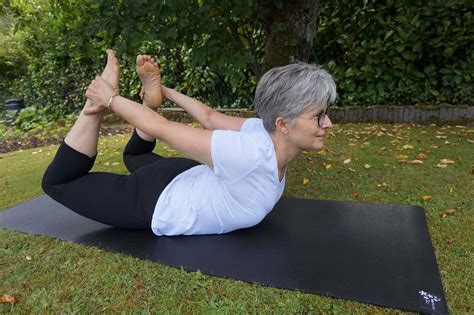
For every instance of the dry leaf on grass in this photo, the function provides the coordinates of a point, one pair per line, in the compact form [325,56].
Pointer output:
[421,156]
[446,161]
[7,298]
[347,161]
[426,198]
[447,212]
[416,162]
[366,166]
[443,163]
[305,181]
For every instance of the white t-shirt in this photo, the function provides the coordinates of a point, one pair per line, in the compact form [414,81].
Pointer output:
[240,191]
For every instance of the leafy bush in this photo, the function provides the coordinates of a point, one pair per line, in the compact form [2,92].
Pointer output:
[401,52]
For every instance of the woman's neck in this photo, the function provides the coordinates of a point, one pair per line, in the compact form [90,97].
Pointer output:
[284,151]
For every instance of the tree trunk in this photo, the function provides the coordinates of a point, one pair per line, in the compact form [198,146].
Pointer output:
[290,29]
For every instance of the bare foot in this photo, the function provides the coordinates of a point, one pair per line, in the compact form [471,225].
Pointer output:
[111,72]
[149,74]
[111,75]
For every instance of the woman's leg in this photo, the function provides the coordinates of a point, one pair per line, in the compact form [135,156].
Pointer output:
[84,135]
[138,151]
[124,201]
[104,197]
[149,74]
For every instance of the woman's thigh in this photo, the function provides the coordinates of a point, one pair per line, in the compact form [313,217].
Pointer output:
[104,197]
[125,201]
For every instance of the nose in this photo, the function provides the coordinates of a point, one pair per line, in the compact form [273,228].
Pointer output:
[327,122]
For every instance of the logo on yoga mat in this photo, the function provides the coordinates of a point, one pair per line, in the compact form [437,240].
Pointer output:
[430,301]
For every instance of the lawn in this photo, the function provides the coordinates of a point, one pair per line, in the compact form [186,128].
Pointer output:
[429,166]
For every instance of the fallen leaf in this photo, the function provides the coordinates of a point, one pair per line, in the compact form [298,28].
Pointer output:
[426,198]
[416,162]
[446,161]
[402,157]
[305,181]
[421,156]
[28,257]
[442,165]
[447,212]
[366,166]
[328,166]
[351,169]
[383,184]
[115,163]
[355,194]
[407,146]
[7,298]
[347,161]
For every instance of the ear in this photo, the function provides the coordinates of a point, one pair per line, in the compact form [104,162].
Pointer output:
[281,125]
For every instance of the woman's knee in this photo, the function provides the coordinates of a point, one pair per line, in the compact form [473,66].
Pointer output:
[49,181]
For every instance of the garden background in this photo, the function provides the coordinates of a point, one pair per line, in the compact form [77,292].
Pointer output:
[381,53]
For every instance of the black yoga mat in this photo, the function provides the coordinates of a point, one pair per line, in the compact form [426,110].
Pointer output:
[377,254]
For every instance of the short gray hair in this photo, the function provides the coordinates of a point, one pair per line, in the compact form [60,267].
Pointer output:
[289,90]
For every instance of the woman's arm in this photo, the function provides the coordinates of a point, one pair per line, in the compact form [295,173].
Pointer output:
[206,116]
[193,142]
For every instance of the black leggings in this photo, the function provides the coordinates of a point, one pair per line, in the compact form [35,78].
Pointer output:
[124,201]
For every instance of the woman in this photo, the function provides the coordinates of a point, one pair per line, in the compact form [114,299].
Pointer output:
[244,160]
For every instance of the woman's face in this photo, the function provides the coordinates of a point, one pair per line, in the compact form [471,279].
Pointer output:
[309,129]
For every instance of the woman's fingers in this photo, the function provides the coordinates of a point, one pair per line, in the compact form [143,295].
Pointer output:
[98,92]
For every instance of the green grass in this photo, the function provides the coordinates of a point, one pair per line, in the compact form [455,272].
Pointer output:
[47,275]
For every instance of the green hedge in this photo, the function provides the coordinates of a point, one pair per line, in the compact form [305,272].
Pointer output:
[399,52]
[380,52]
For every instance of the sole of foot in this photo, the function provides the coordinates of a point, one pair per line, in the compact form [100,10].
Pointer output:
[149,73]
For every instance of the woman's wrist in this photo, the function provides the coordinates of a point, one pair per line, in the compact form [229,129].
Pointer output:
[165,94]
[110,102]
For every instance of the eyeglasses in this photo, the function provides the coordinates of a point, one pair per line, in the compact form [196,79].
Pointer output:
[319,118]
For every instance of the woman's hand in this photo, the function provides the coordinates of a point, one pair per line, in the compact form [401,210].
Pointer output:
[100,94]
[163,94]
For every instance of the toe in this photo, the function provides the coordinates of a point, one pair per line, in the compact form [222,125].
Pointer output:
[140,60]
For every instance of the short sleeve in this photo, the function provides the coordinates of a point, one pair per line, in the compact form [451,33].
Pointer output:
[234,154]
